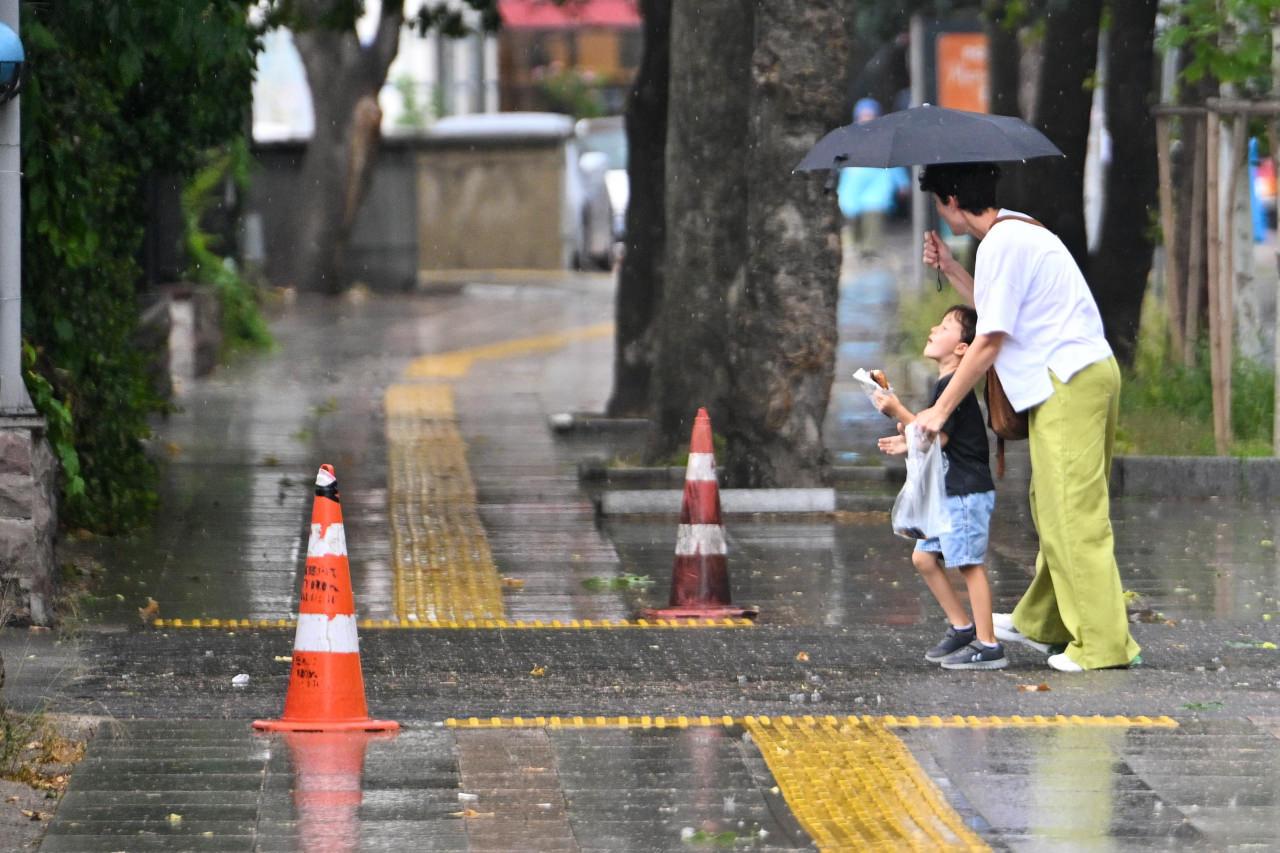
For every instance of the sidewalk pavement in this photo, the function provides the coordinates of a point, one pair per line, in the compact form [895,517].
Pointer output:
[821,726]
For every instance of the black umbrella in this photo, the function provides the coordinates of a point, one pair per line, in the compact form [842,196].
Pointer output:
[925,135]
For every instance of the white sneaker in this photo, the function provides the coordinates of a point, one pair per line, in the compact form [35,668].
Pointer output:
[1003,623]
[1062,663]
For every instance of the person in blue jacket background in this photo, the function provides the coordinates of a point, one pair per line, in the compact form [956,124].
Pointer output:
[867,195]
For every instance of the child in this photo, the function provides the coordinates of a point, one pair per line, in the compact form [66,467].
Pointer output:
[970,499]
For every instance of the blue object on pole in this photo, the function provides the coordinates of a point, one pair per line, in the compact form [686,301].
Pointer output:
[12,60]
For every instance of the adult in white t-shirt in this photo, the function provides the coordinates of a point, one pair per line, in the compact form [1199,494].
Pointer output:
[1039,326]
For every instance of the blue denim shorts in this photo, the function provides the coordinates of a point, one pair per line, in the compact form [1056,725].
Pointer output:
[966,544]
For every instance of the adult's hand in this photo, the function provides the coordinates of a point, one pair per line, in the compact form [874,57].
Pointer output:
[931,421]
[936,254]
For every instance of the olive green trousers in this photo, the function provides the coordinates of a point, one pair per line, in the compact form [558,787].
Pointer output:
[1076,597]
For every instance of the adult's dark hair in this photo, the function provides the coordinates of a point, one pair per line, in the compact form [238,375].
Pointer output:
[973,184]
[968,320]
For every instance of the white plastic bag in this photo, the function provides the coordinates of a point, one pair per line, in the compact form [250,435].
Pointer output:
[920,511]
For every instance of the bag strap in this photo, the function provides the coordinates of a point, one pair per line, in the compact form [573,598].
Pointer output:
[1000,442]
[1026,219]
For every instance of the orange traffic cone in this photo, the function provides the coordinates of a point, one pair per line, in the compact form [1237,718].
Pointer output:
[700,574]
[326,687]
[328,787]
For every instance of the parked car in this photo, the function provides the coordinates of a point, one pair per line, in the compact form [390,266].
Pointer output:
[602,161]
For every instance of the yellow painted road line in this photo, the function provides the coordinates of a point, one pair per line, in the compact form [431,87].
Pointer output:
[455,364]
[454,624]
[443,569]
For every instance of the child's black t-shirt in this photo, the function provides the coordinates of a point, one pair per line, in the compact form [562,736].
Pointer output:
[966,452]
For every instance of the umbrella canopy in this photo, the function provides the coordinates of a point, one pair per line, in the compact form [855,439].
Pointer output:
[922,136]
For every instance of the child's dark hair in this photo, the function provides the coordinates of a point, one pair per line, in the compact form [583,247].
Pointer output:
[968,320]
[973,184]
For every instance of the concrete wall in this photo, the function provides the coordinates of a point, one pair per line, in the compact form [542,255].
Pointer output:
[383,252]
[432,204]
[496,205]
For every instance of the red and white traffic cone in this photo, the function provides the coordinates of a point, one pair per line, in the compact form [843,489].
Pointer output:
[326,686]
[700,573]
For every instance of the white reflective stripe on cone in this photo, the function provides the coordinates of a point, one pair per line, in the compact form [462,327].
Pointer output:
[330,542]
[694,539]
[702,466]
[324,478]
[320,633]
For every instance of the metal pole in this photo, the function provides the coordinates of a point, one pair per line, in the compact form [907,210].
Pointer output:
[14,399]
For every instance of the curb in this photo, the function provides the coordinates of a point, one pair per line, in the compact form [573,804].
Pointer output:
[732,501]
[1195,477]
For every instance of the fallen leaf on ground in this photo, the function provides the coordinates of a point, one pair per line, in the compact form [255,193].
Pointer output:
[1033,688]
[149,613]
[35,815]
[174,818]
[538,671]
[471,813]
[802,656]
[513,583]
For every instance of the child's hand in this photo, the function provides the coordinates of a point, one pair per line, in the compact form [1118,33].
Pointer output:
[893,445]
[886,402]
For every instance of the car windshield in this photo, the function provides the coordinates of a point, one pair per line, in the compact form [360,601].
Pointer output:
[611,143]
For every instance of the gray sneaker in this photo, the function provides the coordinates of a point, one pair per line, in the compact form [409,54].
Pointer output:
[955,638]
[977,656]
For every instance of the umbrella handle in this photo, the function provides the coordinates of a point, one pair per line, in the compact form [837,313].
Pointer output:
[938,270]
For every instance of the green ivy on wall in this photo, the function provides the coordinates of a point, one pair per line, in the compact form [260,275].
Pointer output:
[117,92]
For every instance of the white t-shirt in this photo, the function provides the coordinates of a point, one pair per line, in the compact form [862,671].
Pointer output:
[1027,285]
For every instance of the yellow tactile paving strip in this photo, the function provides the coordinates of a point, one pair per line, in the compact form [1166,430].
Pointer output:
[854,785]
[443,569]
[851,783]
[455,364]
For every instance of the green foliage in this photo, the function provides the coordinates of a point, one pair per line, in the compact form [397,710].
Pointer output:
[1166,409]
[341,15]
[1229,40]
[242,323]
[412,115]
[119,92]
[571,91]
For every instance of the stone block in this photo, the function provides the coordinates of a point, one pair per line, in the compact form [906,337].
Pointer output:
[17,496]
[15,451]
[1260,478]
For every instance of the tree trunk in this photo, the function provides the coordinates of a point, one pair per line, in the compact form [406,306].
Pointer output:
[1120,266]
[344,78]
[784,344]
[641,276]
[1193,276]
[1063,103]
[1004,55]
[706,204]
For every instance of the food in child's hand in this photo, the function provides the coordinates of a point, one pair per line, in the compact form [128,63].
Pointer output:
[880,378]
